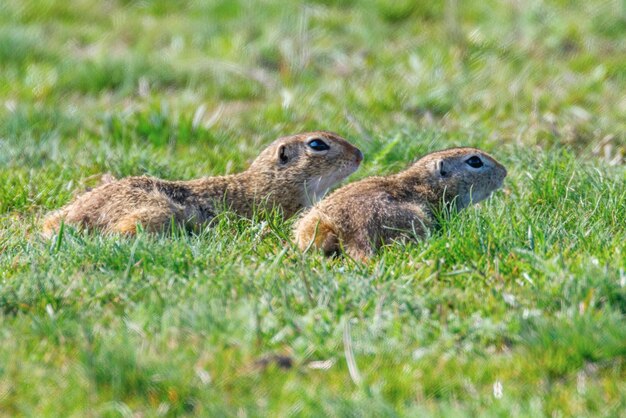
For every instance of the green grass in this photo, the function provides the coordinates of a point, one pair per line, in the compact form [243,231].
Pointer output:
[516,307]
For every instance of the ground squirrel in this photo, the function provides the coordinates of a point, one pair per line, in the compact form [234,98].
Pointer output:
[291,173]
[361,216]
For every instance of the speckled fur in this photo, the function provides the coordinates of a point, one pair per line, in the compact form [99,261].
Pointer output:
[362,216]
[287,174]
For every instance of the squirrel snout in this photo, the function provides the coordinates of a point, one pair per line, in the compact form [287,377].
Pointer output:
[359,155]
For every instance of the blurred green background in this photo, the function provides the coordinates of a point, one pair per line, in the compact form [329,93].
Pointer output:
[514,308]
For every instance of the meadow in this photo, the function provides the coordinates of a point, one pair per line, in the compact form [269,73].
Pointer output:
[515,307]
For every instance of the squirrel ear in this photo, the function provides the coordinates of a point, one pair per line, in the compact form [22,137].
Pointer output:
[439,167]
[282,154]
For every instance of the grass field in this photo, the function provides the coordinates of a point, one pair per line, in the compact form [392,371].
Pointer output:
[516,307]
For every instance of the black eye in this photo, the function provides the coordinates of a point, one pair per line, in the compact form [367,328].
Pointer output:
[318,145]
[474,162]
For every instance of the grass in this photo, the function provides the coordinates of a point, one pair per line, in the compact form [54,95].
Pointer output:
[513,308]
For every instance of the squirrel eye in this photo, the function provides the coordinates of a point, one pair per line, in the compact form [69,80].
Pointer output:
[318,145]
[474,162]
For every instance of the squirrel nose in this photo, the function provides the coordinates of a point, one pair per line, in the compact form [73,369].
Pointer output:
[359,156]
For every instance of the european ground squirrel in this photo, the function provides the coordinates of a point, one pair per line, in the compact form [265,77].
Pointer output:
[362,216]
[291,173]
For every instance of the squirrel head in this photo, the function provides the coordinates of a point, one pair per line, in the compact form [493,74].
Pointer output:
[468,175]
[309,163]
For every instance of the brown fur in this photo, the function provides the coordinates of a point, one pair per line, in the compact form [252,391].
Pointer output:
[362,216]
[288,175]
